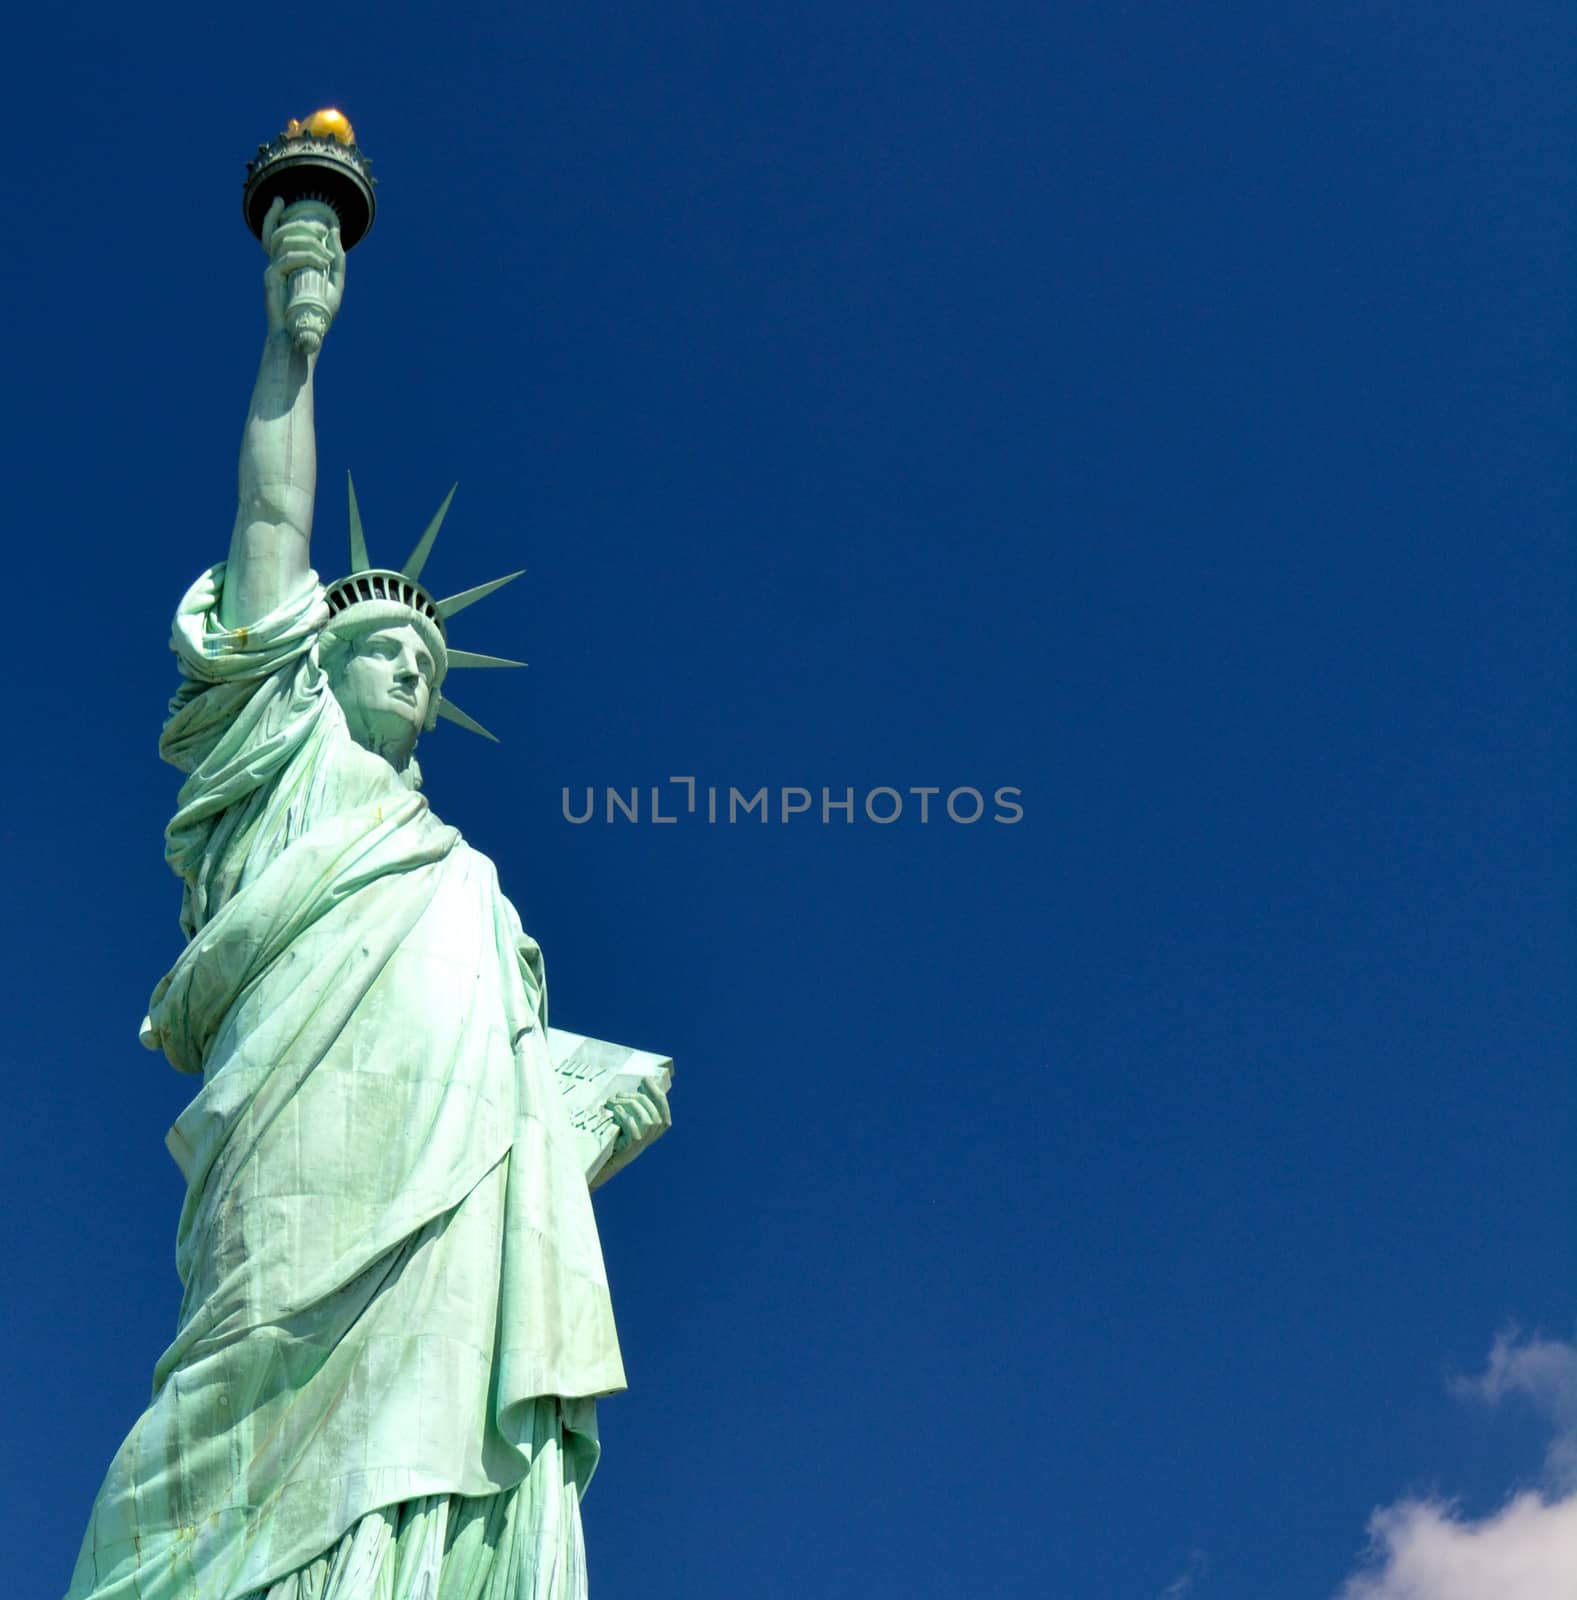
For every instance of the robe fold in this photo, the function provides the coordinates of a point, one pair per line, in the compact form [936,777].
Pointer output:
[387,1246]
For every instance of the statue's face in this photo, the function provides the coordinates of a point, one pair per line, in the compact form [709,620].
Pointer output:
[384,684]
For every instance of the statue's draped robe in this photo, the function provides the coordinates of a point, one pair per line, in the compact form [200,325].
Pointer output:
[394,1291]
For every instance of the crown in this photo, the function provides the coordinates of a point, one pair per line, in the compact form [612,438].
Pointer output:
[369,596]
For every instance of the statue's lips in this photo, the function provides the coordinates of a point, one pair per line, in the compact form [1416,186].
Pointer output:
[404,697]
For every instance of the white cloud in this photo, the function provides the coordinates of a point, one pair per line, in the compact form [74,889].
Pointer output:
[1426,1550]
[1183,1584]
[1526,1551]
[1545,1372]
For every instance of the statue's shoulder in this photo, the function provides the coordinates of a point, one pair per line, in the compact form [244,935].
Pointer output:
[476,862]
[480,869]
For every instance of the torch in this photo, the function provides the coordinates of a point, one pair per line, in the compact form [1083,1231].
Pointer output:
[316,167]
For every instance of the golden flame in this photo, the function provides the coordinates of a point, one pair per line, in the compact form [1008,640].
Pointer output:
[325,124]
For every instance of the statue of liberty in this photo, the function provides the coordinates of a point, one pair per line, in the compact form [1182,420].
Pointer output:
[395,1321]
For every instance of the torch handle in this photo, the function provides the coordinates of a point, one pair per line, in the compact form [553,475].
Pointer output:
[307,311]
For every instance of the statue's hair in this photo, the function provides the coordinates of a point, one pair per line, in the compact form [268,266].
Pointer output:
[333,647]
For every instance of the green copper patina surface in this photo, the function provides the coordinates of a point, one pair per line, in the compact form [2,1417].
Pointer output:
[396,1320]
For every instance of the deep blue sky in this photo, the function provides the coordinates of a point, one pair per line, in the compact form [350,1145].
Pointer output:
[1165,409]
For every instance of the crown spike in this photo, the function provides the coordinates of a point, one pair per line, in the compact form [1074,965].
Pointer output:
[469,658]
[359,561]
[418,557]
[452,713]
[469,597]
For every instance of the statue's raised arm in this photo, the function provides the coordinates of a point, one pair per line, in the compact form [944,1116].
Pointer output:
[270,547]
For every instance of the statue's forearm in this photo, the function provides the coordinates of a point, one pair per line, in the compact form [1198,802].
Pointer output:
[270,545]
